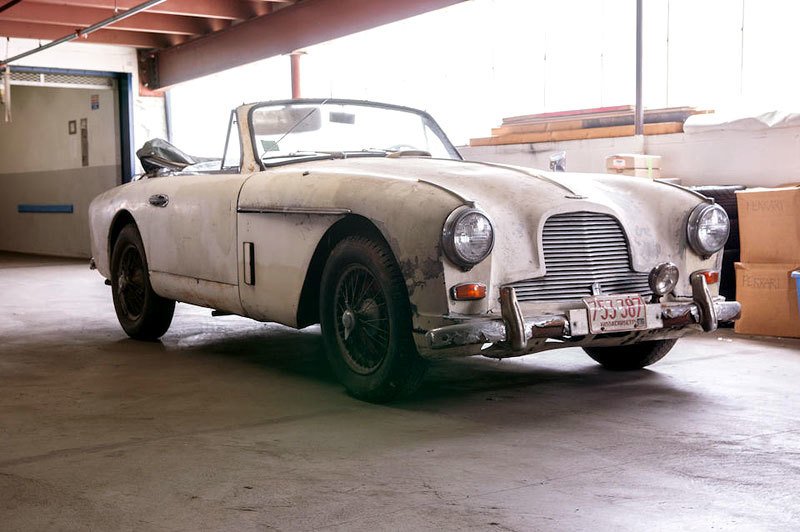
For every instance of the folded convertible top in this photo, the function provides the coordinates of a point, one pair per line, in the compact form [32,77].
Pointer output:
[157,154]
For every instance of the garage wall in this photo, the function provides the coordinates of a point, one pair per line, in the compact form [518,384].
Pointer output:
[41,164]
[149,119]
[751,158]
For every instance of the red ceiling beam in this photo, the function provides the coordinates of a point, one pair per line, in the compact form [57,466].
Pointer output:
[26,30]
[222,9]
[296,26]
[81,17]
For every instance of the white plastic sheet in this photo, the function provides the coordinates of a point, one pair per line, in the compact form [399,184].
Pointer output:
[740,122]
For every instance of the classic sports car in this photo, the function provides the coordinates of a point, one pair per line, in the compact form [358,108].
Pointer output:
[364,218]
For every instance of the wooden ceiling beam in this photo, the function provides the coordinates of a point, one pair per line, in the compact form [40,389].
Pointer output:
[81,17]
[221,9]
[49,32]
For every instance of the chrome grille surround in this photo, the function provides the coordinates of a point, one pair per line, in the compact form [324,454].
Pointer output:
[581,249]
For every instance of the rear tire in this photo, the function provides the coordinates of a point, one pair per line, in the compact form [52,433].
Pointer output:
[630,357]
[143,314]
[366,322]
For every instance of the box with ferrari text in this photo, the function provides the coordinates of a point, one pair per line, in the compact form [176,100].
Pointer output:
[769,224]
[768,295]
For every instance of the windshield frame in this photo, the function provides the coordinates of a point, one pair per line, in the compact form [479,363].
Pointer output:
[427,118]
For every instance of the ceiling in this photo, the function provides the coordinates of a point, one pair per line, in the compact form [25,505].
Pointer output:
[166,24]
[184,39]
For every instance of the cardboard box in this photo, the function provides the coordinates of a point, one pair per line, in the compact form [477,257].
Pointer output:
[769,224]
[768,296]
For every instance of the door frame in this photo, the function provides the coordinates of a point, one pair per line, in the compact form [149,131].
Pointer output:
[124,110]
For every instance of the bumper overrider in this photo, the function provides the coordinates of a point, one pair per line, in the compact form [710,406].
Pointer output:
[516,331]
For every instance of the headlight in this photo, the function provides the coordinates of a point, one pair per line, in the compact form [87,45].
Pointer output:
[467,237]
[708,229]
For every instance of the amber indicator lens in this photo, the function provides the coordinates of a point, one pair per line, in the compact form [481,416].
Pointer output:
[712,276]
[468,291]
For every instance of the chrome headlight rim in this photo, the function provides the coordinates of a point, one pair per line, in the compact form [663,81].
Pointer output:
[448,234]
[662,271]
[692,228]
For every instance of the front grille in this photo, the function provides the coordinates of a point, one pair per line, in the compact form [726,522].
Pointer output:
[580,249]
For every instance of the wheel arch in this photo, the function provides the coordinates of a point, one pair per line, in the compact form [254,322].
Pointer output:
[350,225]
[121,219]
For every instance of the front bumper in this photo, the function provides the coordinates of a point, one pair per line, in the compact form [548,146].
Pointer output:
[516,330]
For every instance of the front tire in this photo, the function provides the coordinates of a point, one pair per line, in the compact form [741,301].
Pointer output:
[366,322]
[143,314]
[630,357]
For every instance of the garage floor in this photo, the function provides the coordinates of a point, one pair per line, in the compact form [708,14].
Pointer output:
[233,424]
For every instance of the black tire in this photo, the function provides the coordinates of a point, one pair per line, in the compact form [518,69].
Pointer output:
[366,322]
[143,314]
[630,357]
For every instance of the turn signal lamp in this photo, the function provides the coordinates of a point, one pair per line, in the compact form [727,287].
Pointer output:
[468,292]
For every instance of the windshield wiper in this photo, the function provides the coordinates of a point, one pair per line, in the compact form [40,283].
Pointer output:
[328,154]
[292,155]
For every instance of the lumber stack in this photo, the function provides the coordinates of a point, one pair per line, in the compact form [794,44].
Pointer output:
[600,122]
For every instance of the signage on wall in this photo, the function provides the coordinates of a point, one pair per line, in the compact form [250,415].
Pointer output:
[94,100]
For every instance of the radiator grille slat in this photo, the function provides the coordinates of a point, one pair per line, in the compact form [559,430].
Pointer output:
[580,249]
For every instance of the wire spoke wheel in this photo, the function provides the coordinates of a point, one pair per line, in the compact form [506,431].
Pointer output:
[362,319]
[130,283]
[143,314]
[366,321]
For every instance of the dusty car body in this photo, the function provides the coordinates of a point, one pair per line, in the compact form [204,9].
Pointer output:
[254,234]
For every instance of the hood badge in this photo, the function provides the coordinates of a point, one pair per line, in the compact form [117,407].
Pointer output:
[575,196]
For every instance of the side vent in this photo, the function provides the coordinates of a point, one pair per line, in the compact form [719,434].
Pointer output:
[249,263]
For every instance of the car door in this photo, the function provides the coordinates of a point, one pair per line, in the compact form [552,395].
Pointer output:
[280,226]
[190,237]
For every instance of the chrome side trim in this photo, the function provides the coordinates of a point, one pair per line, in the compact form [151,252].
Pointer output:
[292,210]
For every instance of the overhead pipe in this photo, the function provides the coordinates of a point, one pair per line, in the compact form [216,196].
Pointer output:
[9,5]
[85,31]
[638,122]
[295,62]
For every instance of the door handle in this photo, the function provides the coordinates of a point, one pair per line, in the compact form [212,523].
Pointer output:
[159,200]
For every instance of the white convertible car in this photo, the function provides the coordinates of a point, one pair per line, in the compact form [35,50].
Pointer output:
[364,218]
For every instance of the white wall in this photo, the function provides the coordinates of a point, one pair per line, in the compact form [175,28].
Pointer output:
[38,138]
[753,158]
[41,163]
[148,115]
[476,62]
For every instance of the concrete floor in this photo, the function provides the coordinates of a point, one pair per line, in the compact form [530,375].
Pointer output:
[233,424]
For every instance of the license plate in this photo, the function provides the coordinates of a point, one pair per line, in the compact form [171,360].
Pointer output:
[624,312]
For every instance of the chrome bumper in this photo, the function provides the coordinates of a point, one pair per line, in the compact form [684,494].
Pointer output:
[517,330]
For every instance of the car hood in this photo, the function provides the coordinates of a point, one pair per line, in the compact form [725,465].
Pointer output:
[519,200]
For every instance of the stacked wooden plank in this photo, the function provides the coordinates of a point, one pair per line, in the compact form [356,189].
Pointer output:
[601,122]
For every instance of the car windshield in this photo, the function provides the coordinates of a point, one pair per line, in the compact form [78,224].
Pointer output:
[301,130]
